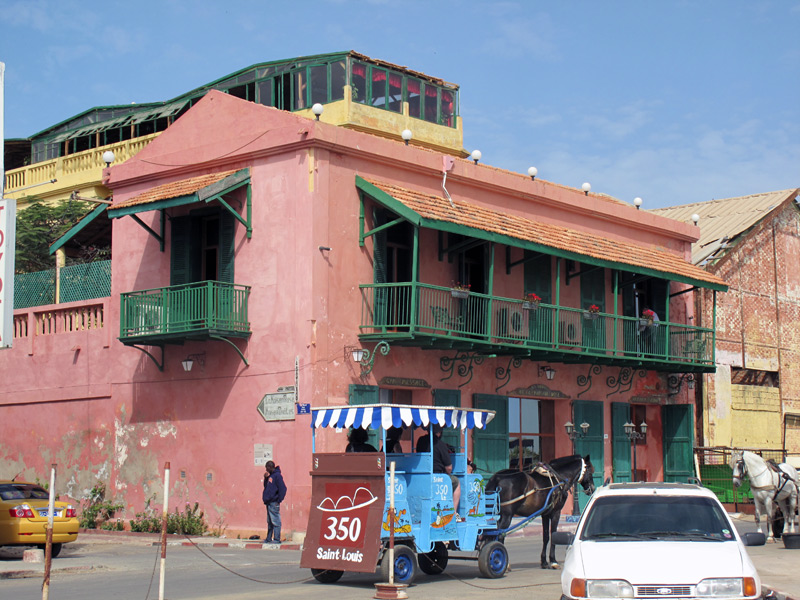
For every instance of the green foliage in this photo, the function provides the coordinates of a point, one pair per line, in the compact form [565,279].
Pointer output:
[96,508]
[40,224]
[189,522]
[116,525]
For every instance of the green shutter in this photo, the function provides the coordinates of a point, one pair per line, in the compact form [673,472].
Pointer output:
[620,444]
[490,452]
[677,421]
[180,251]
[366,394]
[590,411]
[449,398]
[593,291]
[379,268]
[538,276]
[227,226]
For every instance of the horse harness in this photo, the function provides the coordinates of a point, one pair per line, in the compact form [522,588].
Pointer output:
[546,471]
[782,476]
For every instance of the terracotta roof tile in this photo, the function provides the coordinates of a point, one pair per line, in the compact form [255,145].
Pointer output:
[166,191]
[436,208]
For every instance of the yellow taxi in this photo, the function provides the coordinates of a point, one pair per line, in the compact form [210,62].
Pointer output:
[23,517]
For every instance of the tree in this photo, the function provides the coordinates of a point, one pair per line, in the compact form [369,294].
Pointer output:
[40,224]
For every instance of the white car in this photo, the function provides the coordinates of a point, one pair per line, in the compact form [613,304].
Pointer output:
[657,540]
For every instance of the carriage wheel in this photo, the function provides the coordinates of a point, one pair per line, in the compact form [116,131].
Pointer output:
[405,565]
[493,560]
[327,575]
[435,561]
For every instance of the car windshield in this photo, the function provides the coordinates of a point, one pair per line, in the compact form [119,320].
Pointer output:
[22,491]
[656,517]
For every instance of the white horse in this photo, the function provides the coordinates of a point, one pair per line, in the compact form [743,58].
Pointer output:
[769,487]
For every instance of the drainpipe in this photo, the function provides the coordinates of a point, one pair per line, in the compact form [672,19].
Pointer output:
[778,327]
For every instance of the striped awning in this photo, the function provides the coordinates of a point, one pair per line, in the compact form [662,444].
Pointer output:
[384,416]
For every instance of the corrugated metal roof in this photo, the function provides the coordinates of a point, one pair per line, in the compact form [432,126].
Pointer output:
[721,221]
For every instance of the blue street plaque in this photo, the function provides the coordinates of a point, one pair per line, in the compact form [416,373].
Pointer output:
[303,409]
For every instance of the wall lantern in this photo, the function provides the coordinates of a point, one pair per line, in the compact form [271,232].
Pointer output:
[548,372]
[189,361]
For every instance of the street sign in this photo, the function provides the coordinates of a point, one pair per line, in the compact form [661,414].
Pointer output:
[278,406]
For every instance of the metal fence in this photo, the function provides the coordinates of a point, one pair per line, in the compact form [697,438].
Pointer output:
[77,282]
[715,472]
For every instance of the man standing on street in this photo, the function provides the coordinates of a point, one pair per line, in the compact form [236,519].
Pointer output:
[273,495]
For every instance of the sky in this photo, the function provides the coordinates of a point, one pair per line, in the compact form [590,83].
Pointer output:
[672,101]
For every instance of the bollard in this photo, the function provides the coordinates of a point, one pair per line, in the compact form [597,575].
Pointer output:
[391,590]
[48,546]
[164,532]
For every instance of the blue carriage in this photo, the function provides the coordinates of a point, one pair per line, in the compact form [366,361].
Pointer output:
[350,525]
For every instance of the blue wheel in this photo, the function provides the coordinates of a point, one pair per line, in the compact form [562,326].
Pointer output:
[493,560]
[405,565]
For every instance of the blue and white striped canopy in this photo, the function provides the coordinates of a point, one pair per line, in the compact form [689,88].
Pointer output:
[397,415]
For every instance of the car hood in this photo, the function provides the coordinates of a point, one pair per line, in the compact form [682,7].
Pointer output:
[661,561]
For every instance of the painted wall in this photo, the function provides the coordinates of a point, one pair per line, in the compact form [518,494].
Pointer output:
[758,329]
[105,413]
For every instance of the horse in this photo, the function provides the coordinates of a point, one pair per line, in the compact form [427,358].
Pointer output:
[769,485]
[525,493]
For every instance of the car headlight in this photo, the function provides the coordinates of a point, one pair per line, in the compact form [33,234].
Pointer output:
[721,587]
[601,588]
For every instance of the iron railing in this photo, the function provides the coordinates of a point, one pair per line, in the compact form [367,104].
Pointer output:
[205,307]
[402,309]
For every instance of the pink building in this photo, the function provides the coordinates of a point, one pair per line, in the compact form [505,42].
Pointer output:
[266,246]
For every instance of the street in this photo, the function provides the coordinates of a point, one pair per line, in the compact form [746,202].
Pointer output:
[127,568]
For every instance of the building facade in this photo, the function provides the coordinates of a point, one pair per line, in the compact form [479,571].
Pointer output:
[265,246]
[753,398]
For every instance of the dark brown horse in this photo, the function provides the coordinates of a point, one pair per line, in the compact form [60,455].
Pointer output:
[524,493]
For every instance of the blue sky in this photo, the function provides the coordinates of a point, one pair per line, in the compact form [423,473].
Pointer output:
[672,101]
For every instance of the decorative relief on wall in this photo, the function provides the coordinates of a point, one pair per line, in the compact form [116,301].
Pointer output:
[585,381]
[624,381]
[465,361]
[503,374]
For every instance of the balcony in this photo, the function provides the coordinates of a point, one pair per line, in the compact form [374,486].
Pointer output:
[194,311]
[79,171]
[428,316]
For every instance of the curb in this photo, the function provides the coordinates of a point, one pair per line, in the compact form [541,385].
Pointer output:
[246,545]
[30,573]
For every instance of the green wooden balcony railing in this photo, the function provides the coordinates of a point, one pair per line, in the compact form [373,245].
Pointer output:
[193,310]
[429,315]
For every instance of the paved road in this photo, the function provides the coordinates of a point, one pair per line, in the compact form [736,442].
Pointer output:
[127,567]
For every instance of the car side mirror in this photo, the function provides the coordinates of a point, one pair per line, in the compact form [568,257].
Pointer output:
[562,538]
[754,538]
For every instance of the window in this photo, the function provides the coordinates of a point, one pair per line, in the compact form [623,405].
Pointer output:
[338,80]
[414,97]
[318,76]
[531,436]
[358,82]
[202,247]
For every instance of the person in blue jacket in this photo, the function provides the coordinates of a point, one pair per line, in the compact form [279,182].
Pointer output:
[272,496]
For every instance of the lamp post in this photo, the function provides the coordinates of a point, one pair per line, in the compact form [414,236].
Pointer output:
[573,434]
[633,435]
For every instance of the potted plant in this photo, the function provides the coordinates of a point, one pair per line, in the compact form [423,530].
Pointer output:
[531,301]
[592,312]
[648,317]
[460,290]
